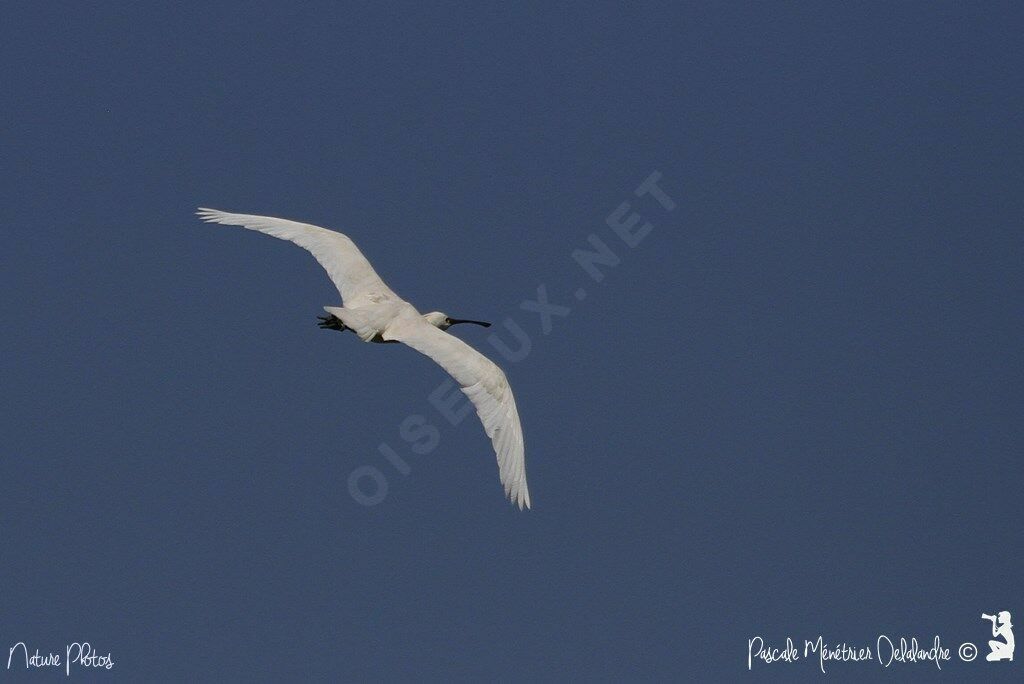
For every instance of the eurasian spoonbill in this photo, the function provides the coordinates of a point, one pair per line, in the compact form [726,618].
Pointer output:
[376,314]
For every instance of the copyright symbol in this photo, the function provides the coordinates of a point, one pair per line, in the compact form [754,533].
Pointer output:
[968,651]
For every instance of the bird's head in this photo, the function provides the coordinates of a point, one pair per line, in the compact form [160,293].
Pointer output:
[442,320]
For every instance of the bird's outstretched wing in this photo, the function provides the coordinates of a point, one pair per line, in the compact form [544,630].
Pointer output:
[486,386]
[350,271]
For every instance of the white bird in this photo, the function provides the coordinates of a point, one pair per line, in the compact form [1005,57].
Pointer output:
[377,314]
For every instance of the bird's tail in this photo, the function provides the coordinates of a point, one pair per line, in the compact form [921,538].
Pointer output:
[353,319]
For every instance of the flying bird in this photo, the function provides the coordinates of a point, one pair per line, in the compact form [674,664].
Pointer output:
[376,314]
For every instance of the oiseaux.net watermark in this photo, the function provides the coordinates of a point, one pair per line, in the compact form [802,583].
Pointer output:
[885,650]
[626,227]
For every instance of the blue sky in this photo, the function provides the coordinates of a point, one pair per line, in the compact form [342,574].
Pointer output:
[793,408]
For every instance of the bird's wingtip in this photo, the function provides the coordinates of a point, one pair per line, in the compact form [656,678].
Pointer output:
[521,498]
[207,214]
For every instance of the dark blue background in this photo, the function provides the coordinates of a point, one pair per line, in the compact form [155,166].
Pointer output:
[794,409]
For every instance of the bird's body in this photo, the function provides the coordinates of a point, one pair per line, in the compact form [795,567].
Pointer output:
[371,321]
[376,314]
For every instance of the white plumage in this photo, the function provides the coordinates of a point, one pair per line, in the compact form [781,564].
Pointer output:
[375,313]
